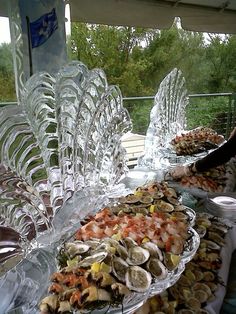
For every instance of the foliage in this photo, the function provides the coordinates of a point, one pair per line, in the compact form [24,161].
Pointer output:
[114,49]
[139,113]
[221,59]
[210,112]
[138,59]
[7,87]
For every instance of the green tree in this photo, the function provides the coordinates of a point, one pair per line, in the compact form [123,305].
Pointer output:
[7,82]
[175,48]
[116,50]
[221,54]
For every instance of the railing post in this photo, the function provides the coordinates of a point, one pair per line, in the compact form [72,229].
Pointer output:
[229,117]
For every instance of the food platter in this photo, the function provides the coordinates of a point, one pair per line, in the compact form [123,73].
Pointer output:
[201,286]
[122,243]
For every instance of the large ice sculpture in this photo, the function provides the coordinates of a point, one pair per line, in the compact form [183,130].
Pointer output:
[64,136]
[167,118]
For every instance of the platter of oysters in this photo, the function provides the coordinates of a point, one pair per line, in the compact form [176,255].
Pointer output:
[134,247]
[200,280]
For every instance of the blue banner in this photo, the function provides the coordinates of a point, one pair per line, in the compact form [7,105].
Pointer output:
[43,28]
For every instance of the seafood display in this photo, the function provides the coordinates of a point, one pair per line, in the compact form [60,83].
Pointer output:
[196,141]
[213,180]
[126,247]
[200,279]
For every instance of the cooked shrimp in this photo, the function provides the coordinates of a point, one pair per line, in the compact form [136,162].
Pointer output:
[55,288]
[75,299]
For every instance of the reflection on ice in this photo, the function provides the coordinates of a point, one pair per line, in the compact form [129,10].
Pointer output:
[167,118]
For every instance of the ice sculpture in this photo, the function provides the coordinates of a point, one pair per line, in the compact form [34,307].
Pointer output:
[63,136]
[167,118]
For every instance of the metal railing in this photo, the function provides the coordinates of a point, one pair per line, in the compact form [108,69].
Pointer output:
[217,110]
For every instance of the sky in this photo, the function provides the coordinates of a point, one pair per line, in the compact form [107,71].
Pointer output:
[4,30]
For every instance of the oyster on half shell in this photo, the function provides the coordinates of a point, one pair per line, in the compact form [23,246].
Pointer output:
[137,255]
[128,242]
[74,248]
[138,279]
[156,268]
[153,249]
[119,268]
[88,261]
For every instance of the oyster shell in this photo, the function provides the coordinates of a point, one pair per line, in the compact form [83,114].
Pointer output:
[201,230]
[193,303]
[213,286]
[202,286]
[76,248]
[122,251]
[93,244]
[209,276]
[140,210]
[156,268]
[200,295]
[153,250]
[119,289]
[119,268]
[199,275]
[180,215]
[179,208]
[184,281]
[173,200]
[137,255]
[157,195]
[209,244]
[220,228]
[203,221]
[146,199]
[116,209]
[170,192]
[164,206]
[97,257]
[128,242]
[129,199]
[216,238]
[138,279]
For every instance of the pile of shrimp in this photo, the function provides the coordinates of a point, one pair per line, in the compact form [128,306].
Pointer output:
[202,182]
[164,230]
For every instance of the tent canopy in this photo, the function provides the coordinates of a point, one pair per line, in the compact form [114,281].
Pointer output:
[217,16]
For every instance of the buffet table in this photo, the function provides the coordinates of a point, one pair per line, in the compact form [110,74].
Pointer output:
[196,200]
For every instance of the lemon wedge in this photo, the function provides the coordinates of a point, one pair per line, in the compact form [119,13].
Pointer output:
[152,208]
[145,239]
[175,259]
[95,267]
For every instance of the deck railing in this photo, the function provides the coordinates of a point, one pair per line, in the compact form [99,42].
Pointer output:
[217,111]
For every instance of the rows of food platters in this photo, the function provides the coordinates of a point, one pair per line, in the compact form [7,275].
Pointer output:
[131,249]
[213,180]
[199,282]
[195,141]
